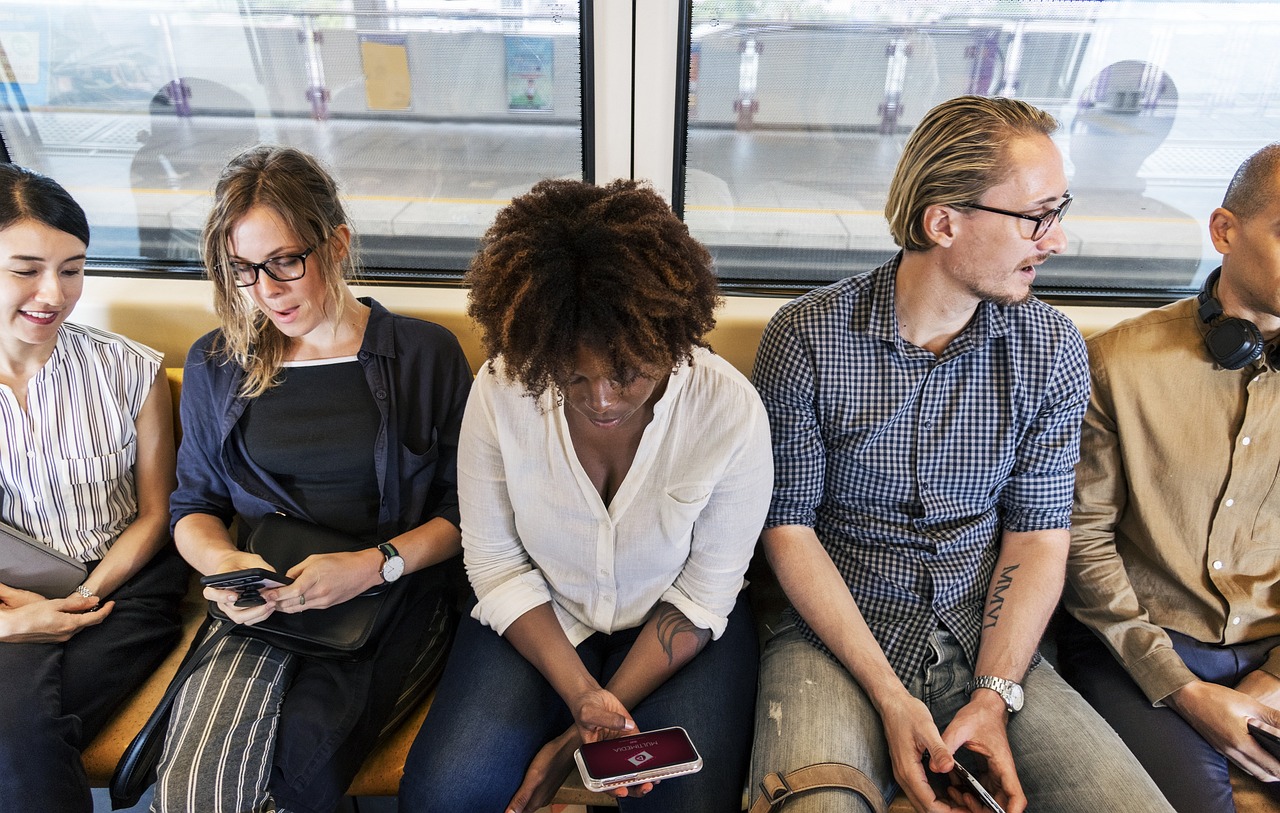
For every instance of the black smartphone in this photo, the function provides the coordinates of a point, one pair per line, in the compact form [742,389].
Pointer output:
[961,778]
[247,583]
[1266,739]
[637,758]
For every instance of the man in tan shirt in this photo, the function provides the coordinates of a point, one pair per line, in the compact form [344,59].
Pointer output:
[1175,544]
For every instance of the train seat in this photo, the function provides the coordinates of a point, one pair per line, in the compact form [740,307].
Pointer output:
[735,337]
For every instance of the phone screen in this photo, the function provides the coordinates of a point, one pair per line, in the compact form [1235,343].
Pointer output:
[653,750]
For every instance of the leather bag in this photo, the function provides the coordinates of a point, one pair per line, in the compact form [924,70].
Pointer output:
[346,631]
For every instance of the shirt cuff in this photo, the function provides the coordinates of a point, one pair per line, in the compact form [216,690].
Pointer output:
[502,605]
[699,615]
[1160,674]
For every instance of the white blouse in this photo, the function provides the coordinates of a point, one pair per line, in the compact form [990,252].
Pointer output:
[681,528]
[66,470]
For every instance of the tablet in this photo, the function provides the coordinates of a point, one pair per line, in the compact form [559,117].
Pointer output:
[28,564]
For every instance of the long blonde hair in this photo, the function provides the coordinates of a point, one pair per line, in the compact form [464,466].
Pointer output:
[304,196]
[954,155]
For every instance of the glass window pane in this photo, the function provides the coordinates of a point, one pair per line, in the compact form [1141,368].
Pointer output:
[431,113]
[798,113]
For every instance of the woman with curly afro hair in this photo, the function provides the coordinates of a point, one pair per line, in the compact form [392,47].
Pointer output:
[613,477]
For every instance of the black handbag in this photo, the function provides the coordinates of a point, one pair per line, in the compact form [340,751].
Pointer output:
[347,631]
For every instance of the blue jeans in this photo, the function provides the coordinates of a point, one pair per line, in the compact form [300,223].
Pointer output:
[810,710]
[1187,768]
[493,711]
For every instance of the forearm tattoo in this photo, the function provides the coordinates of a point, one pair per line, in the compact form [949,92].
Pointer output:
[1003,582]
[670,622]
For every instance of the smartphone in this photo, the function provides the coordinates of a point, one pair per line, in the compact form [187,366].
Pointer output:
[965,781]
[636,759]
[247,583]
[1266,739]
[969,781]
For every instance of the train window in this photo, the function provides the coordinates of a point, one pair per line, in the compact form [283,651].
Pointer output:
[797,113]
[431,113]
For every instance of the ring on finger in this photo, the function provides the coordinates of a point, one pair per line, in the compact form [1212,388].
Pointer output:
[302,599]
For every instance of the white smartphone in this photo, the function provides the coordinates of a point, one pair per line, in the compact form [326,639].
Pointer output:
[636,759]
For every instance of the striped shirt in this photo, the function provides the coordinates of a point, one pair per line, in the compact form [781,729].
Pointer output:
[66,473]
[909,466]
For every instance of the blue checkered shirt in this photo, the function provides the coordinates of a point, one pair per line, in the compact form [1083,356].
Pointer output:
[909,466]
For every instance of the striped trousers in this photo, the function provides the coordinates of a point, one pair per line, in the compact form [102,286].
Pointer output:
[258,729]
[218,752]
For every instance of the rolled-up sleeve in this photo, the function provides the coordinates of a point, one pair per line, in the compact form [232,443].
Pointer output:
[507,584]
[783,376]
[725,532]
[201,488]
[1038,494]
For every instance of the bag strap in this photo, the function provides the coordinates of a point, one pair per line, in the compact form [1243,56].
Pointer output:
[135,771]
[776,789]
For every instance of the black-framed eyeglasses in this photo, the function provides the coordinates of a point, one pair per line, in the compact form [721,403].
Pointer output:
[1043,222]
[285,268]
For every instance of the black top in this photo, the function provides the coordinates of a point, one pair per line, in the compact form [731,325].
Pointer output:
[315,434]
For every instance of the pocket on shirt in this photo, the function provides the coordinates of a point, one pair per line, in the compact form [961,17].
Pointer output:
[101,469]
[683,504]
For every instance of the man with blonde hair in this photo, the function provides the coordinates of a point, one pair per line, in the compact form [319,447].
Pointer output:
[925,420]
[1173,542]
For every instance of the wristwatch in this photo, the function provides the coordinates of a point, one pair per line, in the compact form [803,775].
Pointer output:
[392,563]
[1008,690]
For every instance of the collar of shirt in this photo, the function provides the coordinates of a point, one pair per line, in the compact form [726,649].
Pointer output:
[880,320]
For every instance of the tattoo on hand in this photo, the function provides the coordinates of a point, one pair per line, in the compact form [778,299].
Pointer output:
[1003,582]
[670,623]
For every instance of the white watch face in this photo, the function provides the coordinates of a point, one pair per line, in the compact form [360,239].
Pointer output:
[392,568]
[1014,697]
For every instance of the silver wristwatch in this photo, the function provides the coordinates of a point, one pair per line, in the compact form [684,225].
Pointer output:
[392,563]
[1009,691]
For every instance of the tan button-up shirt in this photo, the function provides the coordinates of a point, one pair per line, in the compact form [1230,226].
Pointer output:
[1177,509]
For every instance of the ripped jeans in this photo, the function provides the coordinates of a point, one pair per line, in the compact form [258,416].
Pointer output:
[810,710]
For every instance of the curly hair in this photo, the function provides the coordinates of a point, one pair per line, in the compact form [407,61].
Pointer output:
[571,265]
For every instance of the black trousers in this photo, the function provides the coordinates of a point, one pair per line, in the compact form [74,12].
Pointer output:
[1192,775]
[57,697]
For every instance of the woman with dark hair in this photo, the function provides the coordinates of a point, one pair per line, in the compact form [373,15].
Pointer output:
[614,476]
[327,408]
[86,430]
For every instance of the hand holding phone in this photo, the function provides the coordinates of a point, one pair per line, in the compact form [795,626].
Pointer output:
[248,583]
[636,759]
[1266,739]
[962,779]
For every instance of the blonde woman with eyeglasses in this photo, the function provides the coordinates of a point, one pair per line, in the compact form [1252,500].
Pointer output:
[312,403]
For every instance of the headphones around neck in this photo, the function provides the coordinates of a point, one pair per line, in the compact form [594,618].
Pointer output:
[1232,342]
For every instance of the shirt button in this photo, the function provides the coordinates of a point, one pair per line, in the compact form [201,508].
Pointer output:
[1244,441]
[31,455]
[1217,565]
[381,395]
[1229,503]
[1235,620]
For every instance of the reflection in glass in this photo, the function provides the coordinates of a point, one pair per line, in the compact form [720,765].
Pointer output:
[786,176]
[136,106]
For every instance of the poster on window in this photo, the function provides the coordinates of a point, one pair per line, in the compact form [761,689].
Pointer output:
[387,84]
[530,77]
